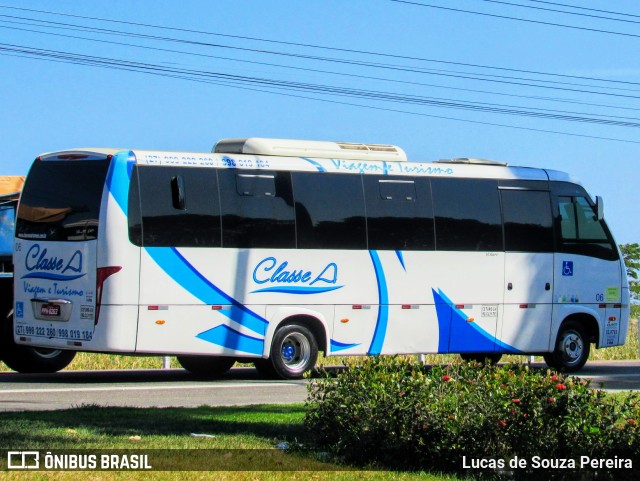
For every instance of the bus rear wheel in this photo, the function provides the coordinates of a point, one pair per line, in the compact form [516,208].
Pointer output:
[294,351]
[572,348]
[207,366]
[31,360]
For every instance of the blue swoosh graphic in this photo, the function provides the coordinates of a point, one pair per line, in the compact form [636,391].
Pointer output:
[458,335]
[315,164]
[230,338]
[190,279]
[298,290]
[383,309]
[51,277]
[341,346]
[119,177]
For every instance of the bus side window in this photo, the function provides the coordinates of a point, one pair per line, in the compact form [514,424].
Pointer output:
[588,225]
[581,232]
[568,227]
[134,217]
[330,211]
[528,223]
[257,209]
[399,213]
[467,215]
[179,207]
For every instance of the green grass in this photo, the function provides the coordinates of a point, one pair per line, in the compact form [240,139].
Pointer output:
[226,476]
[253,427]
[626,352]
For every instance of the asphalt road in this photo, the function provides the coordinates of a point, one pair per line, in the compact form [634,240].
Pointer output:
[176,387]
[142,388]
[612,375]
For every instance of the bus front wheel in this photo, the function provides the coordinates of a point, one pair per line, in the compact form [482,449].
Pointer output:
[294,351]
[207,366]
[572,348]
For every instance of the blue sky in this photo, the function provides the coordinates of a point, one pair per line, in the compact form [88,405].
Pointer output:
[421,61]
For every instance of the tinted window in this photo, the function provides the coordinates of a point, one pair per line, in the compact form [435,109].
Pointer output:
[7,222]
[134,219]
[528,223]
[467,215]
[178,206]
[257,209]
[580,230]
[399,213]
[329,211]
[61,200]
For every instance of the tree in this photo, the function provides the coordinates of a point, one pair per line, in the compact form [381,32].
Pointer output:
[631,255]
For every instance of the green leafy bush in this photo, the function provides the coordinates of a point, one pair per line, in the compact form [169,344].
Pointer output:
[395,414]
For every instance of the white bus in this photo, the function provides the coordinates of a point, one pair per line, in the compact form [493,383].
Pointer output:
[268,251]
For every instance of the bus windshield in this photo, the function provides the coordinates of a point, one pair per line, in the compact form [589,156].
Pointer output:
[61,200]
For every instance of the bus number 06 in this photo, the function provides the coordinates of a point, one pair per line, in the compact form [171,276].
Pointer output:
[599,297]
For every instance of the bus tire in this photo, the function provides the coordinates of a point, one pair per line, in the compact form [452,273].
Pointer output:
[550,360]
[294,351]
[572,348]
[30,360]
[41,360]
[482,357]
[207,366]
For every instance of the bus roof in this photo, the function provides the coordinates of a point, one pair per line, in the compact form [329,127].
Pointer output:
[299,155]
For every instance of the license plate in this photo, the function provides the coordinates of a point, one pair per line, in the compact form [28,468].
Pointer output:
[50,310]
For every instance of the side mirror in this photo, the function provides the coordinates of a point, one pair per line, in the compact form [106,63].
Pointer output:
[599,208]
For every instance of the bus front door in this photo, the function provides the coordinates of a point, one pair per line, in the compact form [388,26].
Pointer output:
[529,258]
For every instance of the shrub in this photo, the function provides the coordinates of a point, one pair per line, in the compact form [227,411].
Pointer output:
[395,414]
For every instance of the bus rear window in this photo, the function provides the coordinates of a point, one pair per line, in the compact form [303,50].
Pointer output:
[61,200]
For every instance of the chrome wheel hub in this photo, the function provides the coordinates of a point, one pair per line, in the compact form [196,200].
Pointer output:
[295,351]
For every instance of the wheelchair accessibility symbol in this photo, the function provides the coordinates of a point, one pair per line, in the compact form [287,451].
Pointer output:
[567,268]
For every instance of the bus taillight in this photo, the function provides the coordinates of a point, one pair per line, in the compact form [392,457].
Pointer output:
[102,275]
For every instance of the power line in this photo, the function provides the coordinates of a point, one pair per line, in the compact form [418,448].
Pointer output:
[324,89]
[394,67]
[420,114]
[458,105]
[342,74]
[376,65]
[314,46]
[454,103]
[507,17]
[285,88]
[586,8]
[511,4]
